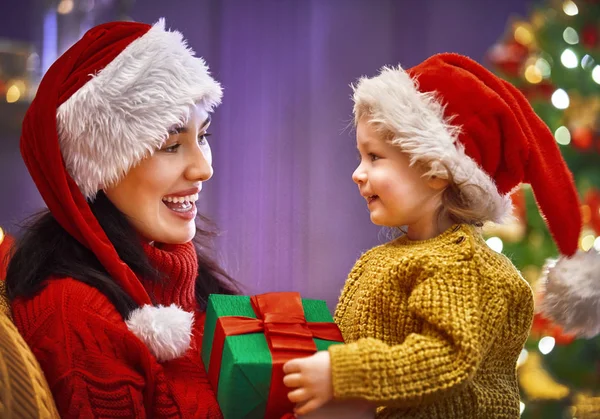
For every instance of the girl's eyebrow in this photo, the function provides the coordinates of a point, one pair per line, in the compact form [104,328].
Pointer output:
[183,129]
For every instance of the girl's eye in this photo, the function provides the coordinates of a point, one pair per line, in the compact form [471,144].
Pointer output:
[203,138]
[171,149]
[373,157]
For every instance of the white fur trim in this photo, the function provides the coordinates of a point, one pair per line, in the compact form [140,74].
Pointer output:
[417,121]
[166,331]
[124,112]
[571,293]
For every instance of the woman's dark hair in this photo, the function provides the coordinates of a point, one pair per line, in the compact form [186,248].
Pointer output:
[47,250]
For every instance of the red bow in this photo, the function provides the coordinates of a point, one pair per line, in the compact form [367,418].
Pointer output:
[280,317]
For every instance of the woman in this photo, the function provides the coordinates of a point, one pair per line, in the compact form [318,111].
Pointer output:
[107,286]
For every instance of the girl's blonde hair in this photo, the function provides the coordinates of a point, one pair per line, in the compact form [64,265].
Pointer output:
[461,202]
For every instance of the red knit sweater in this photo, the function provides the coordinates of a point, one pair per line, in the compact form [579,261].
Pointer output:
[97,368]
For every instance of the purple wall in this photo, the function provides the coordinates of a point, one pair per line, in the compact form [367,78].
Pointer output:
[290,216]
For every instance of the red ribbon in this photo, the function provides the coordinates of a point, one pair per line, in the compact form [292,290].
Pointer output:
[280,317]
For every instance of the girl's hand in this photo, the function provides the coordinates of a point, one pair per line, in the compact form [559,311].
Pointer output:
[311,380]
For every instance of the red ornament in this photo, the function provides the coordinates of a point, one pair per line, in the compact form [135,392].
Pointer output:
[542,91]
[520,208]
[592,200]
[543,326]
[508,57]
[589,36]
[582,138]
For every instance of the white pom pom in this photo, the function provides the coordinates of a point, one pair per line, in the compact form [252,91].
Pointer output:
[166,331]
[571,293]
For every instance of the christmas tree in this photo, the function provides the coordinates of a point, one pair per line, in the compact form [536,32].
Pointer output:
[553,57]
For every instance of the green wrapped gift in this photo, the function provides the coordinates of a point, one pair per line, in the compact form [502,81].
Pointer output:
[248,339]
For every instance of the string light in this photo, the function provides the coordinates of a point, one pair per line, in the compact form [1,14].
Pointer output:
[587,242]
[569,59]
[495,243]
[596,74]
[522,357]
[560,98]
[562,135]
[533,74]
[523,35]
[596,244]
[65,7]
[570,8]
[1,235]
[544,66]
[13,94]
[570,36]
[521,407]
[587,62]
[546,344]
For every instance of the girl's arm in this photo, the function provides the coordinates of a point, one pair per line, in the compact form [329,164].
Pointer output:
[460,315]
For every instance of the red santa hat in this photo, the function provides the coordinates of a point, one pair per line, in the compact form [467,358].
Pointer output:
[101,108]
[451,112]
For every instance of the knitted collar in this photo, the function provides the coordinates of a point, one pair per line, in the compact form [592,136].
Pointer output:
[179,264]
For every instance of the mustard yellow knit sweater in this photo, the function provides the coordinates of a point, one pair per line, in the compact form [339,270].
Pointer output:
[433,329]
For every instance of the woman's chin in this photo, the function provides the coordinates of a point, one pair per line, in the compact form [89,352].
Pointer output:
[169,234]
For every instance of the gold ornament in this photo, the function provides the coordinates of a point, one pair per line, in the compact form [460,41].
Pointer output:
[537,383]
[582,112]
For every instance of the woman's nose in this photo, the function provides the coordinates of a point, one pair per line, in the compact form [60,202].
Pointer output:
[200,165]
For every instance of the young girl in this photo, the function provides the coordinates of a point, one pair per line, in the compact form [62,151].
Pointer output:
[107,286]
[434,321]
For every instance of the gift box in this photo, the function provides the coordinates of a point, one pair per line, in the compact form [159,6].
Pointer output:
[248,339]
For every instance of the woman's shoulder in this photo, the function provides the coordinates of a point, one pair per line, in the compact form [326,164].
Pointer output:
[63,301]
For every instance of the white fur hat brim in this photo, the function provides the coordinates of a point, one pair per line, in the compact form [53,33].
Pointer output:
[123,113]
[571,293]
[416,119]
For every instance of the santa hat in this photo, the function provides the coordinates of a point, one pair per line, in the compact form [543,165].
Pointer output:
[451,112]
[103,106]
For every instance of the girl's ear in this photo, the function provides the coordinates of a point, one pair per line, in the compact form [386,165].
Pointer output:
[437,183]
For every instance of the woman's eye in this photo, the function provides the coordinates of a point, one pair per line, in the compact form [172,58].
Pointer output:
[203,138]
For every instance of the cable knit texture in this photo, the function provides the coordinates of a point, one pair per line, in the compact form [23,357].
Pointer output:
[433,329]
[97,368]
